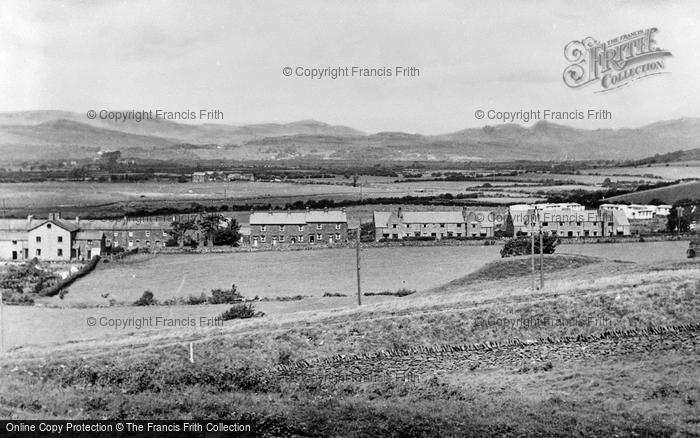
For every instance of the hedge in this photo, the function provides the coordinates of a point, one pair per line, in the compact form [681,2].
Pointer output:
[57,287]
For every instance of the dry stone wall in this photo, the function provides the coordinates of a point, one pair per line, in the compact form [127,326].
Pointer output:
[420,362]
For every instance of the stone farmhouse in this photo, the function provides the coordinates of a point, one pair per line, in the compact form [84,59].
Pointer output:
[401,225]
[59,239]
[52,239]
[284,228]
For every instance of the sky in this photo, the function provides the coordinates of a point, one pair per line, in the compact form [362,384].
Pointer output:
[230,55]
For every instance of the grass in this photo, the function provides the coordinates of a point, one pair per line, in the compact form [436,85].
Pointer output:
[148,375]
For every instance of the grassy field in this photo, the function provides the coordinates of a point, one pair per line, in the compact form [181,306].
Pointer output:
[672,171]
[279,273]
[147,375]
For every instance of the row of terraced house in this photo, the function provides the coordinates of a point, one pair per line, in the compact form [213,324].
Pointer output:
[56,238]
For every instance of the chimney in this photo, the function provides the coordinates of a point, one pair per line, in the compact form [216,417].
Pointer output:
[289,211]
[252,210]
[308,209]
[77,218]
[325,209]
[30,218]
[464,213]
[343,209]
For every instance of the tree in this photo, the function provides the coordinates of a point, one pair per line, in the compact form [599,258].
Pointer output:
[681,216]
[179,229]
[228,235]
[523,245]
[209,225]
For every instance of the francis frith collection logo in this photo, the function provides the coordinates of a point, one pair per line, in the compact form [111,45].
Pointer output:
[614,63]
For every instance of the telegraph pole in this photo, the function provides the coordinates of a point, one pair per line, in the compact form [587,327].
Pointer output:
[2,326]
[539,224]
[357,252]
[532,247]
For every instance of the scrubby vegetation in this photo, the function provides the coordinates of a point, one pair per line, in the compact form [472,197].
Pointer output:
[523,246]
[399,293]
[241,311]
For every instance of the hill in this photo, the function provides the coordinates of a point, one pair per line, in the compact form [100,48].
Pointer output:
[73,135]
[669,194]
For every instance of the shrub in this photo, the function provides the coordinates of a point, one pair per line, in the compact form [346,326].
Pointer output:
[14,298]
[523,246]
[225,296]
[329,294]
[241,311]
[146,299]
[399,293]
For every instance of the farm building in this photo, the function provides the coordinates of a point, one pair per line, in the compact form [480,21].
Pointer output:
[438,224]
[275,228]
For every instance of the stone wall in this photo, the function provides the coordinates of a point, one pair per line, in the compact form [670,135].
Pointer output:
[420,362]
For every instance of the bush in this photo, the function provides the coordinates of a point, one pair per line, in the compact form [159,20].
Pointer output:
[399,293]
[146,299]
[228,296]
[523,246]
[14,298]
[329,294]
[241,311]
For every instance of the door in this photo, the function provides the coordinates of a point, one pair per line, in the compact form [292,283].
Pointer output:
[14,255]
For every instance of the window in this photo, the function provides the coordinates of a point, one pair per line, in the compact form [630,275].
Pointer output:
[301,228]
[337,226]
[148,242]
[60,239]
[262,239]
[281,238]
[148,234]
[116,234]
[301,237]
[90,242]
[48,226]
[544,224]
[14,242]
[319,236]
[263,228]
[337,236]
[319,226]
[578,224]
[131,234]
[38,252]
[60,252]
[38,239]
[442,225]
[561,224]
[281,227]
[393,226]
[165,234]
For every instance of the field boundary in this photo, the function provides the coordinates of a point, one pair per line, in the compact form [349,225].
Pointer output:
[488,346]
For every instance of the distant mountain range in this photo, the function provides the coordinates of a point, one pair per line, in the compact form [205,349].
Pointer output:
[46,135]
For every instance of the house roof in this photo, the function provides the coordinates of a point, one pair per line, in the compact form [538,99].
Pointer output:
[296,218]
[432,217]
[116,225]
[326,216]
[13,235]
[66,225]
[89,235]
[569,216]
[381,219]
[278,218]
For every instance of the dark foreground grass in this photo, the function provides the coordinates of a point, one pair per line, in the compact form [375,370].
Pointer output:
[646,394]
